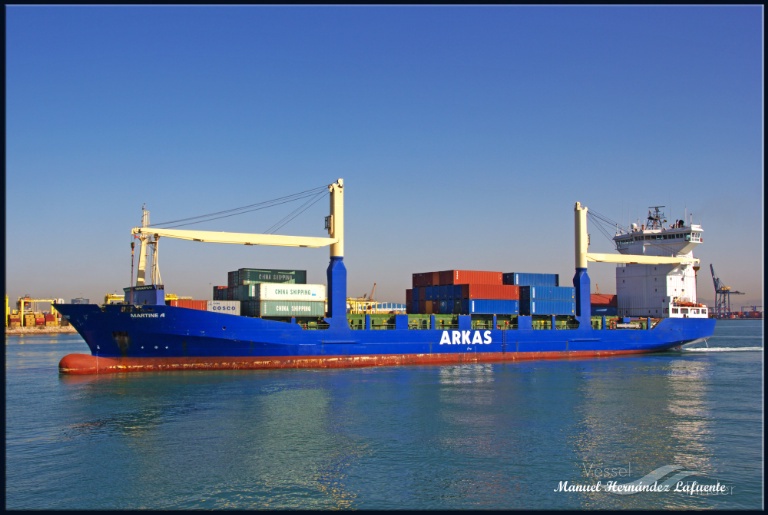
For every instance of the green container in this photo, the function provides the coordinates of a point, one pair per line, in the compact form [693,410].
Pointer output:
[270,275]
[288,308]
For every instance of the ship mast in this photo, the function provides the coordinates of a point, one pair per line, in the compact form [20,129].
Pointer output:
[656,219]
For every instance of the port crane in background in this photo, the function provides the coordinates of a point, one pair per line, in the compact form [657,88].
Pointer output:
[722,296]
[33,306]
[364,304]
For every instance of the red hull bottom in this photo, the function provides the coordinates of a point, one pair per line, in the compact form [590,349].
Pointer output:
[86,364]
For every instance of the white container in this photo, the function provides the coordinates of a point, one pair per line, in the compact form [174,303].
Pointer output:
[231,307]
[293,292]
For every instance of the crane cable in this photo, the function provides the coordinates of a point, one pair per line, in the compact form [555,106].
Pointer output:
[313,195]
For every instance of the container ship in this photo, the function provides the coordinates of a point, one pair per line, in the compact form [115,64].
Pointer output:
[472,316]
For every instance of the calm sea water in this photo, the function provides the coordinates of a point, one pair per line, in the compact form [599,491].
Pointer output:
[537,435]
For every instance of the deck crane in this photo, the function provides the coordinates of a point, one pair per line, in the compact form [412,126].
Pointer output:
[722,296]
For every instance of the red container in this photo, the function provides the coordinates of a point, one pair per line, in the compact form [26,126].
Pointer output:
[201,305]
[490,291]
[603,299]
[50,317]
[39,320]
[470,277]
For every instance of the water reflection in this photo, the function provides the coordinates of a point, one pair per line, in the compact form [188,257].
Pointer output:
[641,414]
[232,439]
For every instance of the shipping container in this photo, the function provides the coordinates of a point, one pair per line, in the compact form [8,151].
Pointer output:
[425,279]
[531,279]
[231,307]
[489,291]
[547,307]
[469,277]
[220,292]
[282,308]
[266,275]
[200,305]
[609,311]
[547,292]
[280,291]
[490,306]
[603,299]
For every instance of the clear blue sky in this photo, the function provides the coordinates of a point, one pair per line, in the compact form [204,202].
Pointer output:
[464,134]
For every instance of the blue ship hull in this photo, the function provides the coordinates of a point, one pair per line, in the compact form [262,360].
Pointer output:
[145,334]
[134,338]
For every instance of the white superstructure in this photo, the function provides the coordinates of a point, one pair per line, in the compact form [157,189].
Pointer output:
[659,290]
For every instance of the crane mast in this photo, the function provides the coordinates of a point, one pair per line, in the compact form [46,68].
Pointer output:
[334,223]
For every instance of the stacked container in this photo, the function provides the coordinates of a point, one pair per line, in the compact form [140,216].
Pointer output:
[240,282]
[461,292]
[51,320]
[273,293]
[547,300]
[604,304]
[219,293]
[283,300]
[263,275]
[531,279]
[482,292]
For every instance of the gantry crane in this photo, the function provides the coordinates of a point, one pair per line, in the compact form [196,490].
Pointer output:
[722,296]
[23,302]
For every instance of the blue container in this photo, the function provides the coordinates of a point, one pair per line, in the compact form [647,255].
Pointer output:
[530,279]
[608,311]
[490,307]
[547,307]
[445,307]
[548,292]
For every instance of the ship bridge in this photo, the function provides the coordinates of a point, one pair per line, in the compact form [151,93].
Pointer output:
[657,239]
